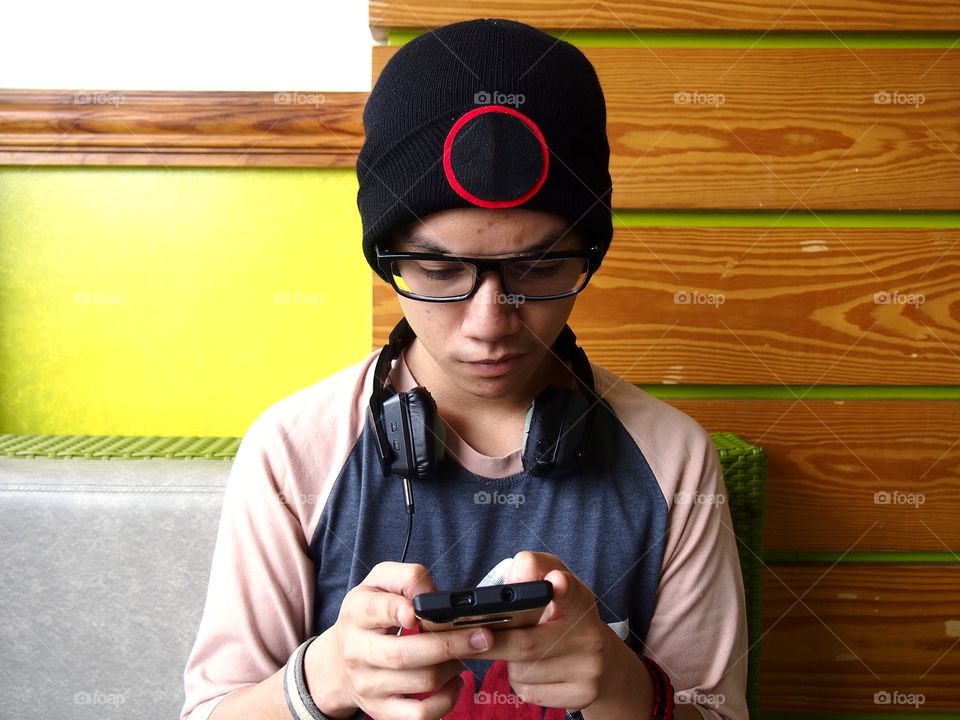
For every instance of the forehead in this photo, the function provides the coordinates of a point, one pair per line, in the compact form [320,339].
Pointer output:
[477,231]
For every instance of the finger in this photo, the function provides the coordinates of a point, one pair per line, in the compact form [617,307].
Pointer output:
[368,608]
[402,580]
[383,683]
[570,596]
[572,696]
[433,707]
[547,670]
[406,579]
[526,644]
[527,566]
[427,648]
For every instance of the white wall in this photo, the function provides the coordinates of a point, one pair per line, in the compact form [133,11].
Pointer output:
[185,45]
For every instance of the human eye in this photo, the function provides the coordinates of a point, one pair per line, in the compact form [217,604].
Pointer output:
[439,270]
[539,268]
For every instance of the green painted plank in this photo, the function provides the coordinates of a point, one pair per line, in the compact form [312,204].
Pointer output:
[780,218]
[737,39]
[861,558]
[805,392]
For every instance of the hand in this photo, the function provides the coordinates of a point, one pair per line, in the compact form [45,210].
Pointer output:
[560,662]
[363,664]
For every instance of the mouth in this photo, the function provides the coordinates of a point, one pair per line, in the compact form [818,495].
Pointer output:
[491,367]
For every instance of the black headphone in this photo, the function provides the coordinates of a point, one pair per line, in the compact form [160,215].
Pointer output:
[410,436]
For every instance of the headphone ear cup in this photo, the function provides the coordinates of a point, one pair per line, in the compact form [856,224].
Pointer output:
[415,434]
[554,432]
[426,432]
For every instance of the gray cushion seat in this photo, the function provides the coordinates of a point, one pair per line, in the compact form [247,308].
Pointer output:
[104,573]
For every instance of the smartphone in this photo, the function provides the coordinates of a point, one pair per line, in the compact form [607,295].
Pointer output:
[501,606]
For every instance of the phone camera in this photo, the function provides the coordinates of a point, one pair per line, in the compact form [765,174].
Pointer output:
[507,594]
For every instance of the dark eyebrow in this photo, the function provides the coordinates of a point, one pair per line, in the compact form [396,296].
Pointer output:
[428,244]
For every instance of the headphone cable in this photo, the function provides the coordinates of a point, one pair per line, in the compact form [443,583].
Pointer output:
[408,501]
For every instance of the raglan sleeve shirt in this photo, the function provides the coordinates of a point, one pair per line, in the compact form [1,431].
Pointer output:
[260,597]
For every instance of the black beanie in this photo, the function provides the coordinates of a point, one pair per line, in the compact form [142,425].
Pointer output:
[484,113]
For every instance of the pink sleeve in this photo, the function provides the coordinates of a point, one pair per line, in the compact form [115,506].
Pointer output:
[259,603]
[698,631]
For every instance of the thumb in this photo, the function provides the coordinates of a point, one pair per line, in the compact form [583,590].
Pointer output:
[569,594]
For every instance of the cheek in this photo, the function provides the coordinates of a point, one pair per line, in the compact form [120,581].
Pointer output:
[548,318]
[428,319]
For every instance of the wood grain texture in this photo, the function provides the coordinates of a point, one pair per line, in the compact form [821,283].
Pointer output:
[782,306]
[777,128]
[621,15]
[828,460]
[856,631]
[180,128]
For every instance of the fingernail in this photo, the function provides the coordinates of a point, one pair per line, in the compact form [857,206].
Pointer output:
[479,641]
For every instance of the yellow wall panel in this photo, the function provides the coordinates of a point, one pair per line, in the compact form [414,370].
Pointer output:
[153,301]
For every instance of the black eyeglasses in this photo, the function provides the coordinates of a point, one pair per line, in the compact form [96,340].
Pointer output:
[448,278]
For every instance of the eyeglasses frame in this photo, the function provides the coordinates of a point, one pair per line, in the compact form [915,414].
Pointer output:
[483,265]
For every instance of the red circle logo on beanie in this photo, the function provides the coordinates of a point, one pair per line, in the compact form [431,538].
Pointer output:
[495,157]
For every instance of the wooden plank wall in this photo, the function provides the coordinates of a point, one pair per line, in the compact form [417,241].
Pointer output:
[786,265]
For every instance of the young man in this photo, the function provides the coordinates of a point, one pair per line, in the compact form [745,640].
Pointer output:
[485,200]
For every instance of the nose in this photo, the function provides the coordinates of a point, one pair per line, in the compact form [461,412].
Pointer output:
[489,315]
